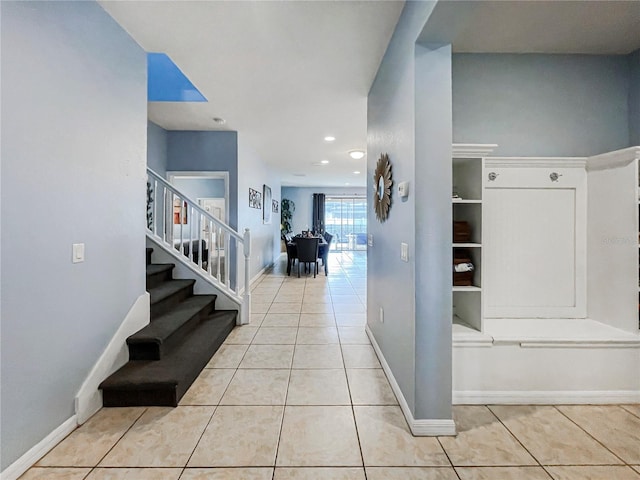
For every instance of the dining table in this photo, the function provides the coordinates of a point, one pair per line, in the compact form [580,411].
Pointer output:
[321,255]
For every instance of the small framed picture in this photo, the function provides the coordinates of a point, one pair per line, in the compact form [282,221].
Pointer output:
[255,199]
[274,206]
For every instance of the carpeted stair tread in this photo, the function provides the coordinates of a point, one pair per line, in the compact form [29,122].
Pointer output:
[166,289]
[158,273]
[165,381]
[155,268]
[165,325]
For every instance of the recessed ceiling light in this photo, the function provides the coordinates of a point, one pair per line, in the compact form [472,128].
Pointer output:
[329,138]
[347,183]
[357,172]
[356,154]
[219,121]
[324,162]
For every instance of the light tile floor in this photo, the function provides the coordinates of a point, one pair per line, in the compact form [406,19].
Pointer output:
[300,395]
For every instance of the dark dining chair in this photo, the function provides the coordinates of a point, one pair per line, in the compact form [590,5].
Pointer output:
[308,253]
[324,251]
[292,255]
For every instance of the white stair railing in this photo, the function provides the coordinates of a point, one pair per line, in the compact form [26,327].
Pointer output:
[205,244]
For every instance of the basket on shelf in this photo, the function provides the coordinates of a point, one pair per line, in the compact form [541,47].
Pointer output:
[461,232]
[463,269]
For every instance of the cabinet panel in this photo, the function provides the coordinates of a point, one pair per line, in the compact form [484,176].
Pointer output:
[534,245]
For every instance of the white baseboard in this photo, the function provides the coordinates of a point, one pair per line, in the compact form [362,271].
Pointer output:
[419,428]
[89,399]
[26,461]
[259,274]
[546,398]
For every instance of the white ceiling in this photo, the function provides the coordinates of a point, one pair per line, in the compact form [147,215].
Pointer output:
[527,26]
[285,74]
[282,74]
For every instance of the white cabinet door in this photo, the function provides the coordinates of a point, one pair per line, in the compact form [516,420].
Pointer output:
[535,243]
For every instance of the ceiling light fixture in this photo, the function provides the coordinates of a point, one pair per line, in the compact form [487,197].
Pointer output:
[356,154]
[357,172]
[329,138]
[219,121]
[347,183]
[324,162]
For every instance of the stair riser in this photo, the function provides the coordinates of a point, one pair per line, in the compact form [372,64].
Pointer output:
[158,278]
[182,388]
[154,351]
[163,306]
[157,397]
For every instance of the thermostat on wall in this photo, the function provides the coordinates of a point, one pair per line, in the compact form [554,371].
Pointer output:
[403,189]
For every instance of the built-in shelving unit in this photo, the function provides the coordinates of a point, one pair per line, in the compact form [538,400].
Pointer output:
[547,234]
[467,188]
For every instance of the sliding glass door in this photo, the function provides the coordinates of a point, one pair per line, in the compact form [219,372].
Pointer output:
[346,219]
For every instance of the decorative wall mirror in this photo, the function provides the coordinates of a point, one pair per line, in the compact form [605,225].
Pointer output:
[382,183]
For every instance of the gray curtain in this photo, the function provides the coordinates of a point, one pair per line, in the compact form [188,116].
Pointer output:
[318,212]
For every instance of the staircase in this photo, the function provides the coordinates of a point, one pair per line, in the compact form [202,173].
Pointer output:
[166,356]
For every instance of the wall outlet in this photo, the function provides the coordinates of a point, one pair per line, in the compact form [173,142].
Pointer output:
[77,255]
[381,315]
[404,252]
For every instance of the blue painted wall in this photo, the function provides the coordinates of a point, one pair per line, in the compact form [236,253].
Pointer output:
[157,139]
[546,105]
[223,151]
[74,128]
[265,238]
[303,198]
[200,187]
[634,98]
[207,151]
[433,235]
[391,124]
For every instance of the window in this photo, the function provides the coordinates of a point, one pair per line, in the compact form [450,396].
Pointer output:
[346,219]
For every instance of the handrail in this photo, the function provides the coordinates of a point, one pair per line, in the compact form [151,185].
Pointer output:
[211,247]
[197,207]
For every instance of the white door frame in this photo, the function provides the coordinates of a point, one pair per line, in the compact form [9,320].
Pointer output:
[171,175]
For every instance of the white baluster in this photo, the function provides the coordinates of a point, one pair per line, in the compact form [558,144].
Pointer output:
[227,242]
[246,301]
[219,234]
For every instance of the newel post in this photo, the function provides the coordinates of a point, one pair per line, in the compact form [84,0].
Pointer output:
[246,303]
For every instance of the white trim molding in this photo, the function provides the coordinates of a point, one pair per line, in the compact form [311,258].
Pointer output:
[537,162]
[421,427]
[546,398]
[472,150]
[171,175]
[89,398]
[619,158]
[35,453]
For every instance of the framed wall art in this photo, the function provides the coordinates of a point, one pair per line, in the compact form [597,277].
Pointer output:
[255,199]
[266,211]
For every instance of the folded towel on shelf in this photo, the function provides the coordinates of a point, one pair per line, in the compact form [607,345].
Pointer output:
[463,267]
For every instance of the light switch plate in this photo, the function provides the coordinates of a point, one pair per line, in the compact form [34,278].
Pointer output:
[77,253]
[370,239]
[404,252]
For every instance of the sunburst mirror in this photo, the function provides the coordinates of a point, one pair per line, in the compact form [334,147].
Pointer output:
[382,183]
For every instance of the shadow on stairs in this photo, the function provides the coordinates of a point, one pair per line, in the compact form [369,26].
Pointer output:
[166,356]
